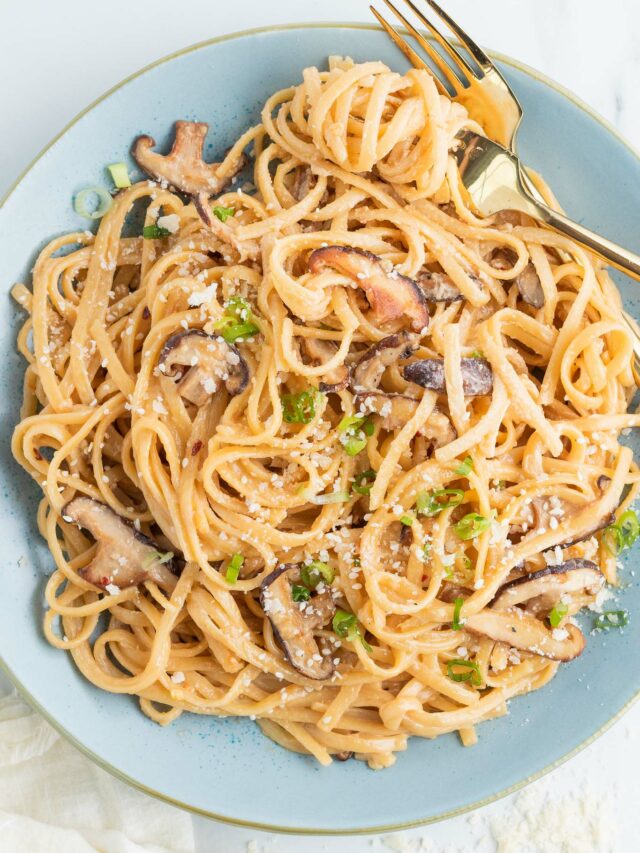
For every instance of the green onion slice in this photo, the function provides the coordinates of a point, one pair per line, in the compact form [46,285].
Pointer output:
[558,613]
[299,408]
[223,213]
[346,625]
[315,572]
[613,539]
[300,593]
[233,569]
[82,202]
[612,619]
[407,520]
[154,232]
[457,622]
[239,330]
[363,481]
[157,557]
[629,527]
[465,467]
[331,498]
[353,446]
[351,422]
[471,525]
[464,670]
[120,175]
[432,503]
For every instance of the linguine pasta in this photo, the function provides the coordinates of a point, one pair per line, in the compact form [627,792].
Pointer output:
[367,502]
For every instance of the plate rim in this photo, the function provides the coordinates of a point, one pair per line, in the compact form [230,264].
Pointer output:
[65,733]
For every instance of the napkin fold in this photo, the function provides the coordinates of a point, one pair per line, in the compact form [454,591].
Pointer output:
[54,800]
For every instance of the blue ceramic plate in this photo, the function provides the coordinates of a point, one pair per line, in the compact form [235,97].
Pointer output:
[226,768]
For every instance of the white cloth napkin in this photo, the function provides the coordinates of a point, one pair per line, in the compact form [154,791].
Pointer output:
[54,800]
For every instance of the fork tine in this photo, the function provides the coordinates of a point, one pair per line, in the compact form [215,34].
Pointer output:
[457,58]
[437,60]
[406,48]
[475,50]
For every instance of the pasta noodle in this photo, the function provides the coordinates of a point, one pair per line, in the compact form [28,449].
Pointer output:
[431,411]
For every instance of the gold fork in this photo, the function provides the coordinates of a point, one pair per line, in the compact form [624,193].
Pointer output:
[491,172]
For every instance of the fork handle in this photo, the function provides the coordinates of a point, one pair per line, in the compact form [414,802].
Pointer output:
[622,259]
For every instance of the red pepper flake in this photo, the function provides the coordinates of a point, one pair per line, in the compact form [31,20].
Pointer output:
[146,313]
[197,447]
[37,453]
[105,581]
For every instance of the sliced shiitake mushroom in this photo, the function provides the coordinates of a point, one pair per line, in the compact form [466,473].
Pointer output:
[530,287]
[295,623]
[184,167]
[320,351]
[522,631]
[477,376]
[542,590]
[367,371]
[542,515]
[438,287]
[203,363]
[124,556]
[390,294]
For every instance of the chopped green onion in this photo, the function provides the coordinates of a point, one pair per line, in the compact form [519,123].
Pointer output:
[471,525]
[315,572]
[430,503]
[629,527]
[353,446]
[350,425]
[613,539]
[407,520]
[233,569]
[350,422]
[466,467]
[457,621]
[154,232]
[104,202]
[426,550]
[300,593]
[612,619]
[223,213]
[331,498]
[299,408]
[477,353]
[238,320]
[346,625]
[470,671]
[466,562]
[157,557]
[558,613]
[239,330]
[366,477]
[120,175]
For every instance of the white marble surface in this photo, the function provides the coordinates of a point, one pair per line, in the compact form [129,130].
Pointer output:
[56,57]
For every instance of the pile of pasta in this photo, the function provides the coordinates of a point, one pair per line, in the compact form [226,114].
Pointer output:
[406,529]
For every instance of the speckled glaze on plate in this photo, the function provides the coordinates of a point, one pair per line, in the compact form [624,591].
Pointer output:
[225,768]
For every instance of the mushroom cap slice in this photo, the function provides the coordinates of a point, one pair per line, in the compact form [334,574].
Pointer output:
[438,287]
[203,362]
[477,376]
[294,623]
[390,294]
[525,632]
[367,371]
[124,556]
[184,167]
[528,283]
[544,589]
[319,351]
